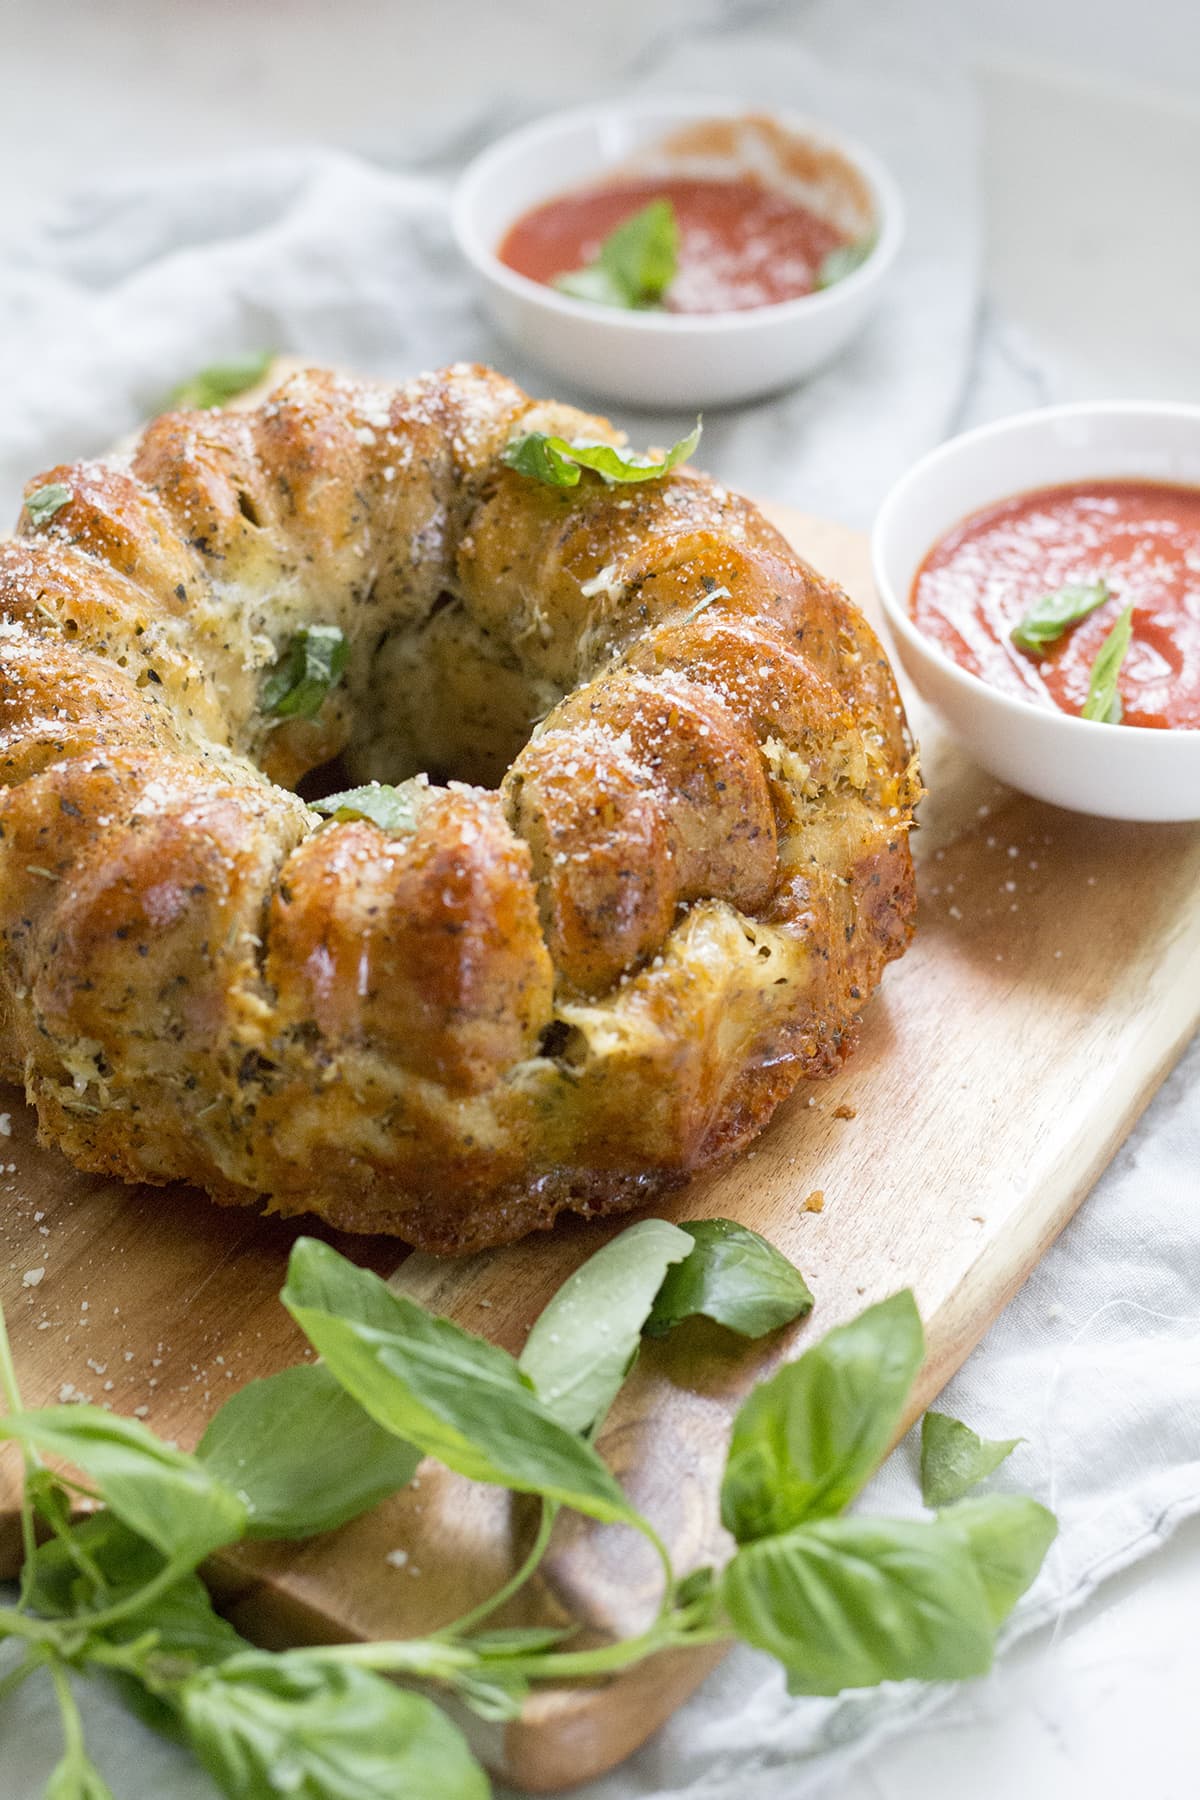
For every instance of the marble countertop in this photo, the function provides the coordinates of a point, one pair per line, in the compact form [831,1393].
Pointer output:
[1091,144]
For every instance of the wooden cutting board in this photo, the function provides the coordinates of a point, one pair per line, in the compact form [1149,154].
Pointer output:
[1054,980]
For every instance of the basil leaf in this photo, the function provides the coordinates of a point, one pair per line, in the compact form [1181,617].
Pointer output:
[44,502]
[954,1458]
[1007,1537]
[1053,614]
[636,263]
[806,1440]
[222,381]
[843,260]
[268,1726]
[302,1455]
[581,1346]
[848,1603]
[311,666]
[1103,701]
[395,809]
[456,1396]
[167,1497]
[594,284]
[733,1276]
[556,463]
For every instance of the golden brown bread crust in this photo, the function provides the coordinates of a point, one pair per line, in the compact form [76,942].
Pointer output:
[571,984]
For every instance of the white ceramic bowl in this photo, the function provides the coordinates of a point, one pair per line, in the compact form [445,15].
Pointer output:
[664,359]
[1116,771]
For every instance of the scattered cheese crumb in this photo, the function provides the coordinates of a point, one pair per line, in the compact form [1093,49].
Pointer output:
[5,1124]
[31,1277]
[396,1558]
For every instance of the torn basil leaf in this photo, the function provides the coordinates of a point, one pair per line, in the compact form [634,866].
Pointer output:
[44,502]
[636,263]
[556,463]
[221,382]
[733,1276]
[954,1459]
[394,809]
[843,260]
[1054,613]
[1103,703]
[313,663]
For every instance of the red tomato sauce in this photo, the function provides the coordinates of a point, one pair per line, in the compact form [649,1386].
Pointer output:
[741,244]
[1141,537]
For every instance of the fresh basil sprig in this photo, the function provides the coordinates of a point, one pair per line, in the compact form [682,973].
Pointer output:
[807,1439]
[843,260]
[1103,702]
[394,809]
[954,1459]
[221,382]
[841,1601]
[455,1396]
[1053,614]
[635,265]
[45,501]
[312,664]
[556,463]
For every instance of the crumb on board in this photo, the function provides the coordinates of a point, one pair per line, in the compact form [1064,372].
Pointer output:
[815,1201]
[5,1124]
[845,1111]
[31,1277]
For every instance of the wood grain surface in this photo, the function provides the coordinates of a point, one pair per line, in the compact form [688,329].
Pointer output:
[1053,982]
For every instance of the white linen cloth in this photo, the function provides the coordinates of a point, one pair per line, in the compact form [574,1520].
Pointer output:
[134,285]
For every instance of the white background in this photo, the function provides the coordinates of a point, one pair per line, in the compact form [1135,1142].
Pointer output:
[1091,180]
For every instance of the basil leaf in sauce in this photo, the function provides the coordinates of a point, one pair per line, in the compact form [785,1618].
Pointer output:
[1103,701]
[954,1458]
[221,382]
[843,260]
[807,1440]
[394,809]
[44,502]
[636,263]
[556,463]
[733,1276]
[313,663]
[1053,614]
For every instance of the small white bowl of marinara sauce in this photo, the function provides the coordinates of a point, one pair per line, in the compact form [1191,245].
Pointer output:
[678,253]
[1040,580]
